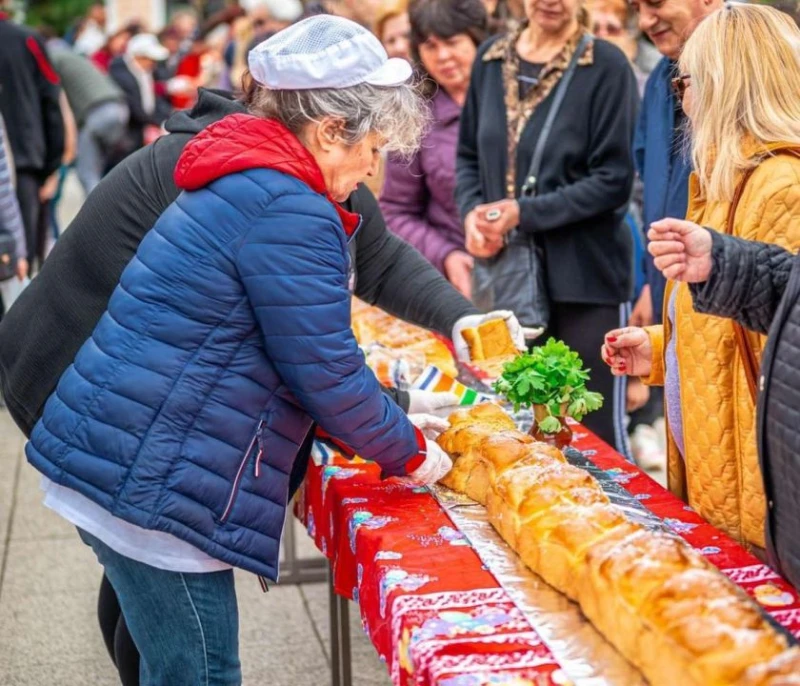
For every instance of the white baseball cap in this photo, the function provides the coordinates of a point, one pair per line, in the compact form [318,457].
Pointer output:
[147,45]
[325,51]
[279,10]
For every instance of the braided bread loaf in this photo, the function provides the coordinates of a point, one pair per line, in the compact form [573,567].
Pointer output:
[658,601]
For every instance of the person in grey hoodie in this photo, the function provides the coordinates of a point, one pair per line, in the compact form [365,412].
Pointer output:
[99,108]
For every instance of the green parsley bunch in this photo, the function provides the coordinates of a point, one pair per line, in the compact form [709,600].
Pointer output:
[551,375]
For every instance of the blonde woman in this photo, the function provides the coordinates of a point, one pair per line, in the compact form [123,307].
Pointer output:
[739,79]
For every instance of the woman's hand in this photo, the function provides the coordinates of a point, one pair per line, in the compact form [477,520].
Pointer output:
[458,270]
[429,402]
[628,352]
[47,190]
[430,425]
[477,244]
[497,219]
[436,465]
[682,250]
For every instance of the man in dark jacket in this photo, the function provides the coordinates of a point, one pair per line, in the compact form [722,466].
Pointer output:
[133,73]
[659,150]
[758,286]
[99,108]
[29,104]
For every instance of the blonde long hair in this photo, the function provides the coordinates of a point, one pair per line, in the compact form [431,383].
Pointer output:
[744,63]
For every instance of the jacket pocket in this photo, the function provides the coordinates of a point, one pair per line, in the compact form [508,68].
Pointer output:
[253,449]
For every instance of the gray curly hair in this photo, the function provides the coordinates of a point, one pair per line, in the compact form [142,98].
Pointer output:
[398,114]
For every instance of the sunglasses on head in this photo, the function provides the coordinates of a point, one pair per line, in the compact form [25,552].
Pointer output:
[680,84]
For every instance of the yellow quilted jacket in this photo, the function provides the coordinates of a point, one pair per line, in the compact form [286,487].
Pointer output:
[719,475]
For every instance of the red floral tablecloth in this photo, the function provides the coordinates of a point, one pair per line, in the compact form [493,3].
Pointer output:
[434,613]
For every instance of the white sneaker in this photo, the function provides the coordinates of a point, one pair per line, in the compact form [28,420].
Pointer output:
[660,425]
[646,447]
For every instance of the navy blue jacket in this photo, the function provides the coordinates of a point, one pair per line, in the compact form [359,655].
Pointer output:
[227,338]
[663,166]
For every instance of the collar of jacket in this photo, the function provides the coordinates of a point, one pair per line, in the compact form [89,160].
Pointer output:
[240,142]
[445,110]
[506,48]
[752,150]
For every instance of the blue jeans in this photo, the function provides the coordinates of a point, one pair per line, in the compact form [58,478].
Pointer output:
[185,626]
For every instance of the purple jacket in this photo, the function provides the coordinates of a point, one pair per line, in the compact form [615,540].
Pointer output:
[418,198]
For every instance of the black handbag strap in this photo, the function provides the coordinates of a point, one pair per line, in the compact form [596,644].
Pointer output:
[529,187]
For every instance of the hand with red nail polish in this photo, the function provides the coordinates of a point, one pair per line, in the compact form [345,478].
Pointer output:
[628,352]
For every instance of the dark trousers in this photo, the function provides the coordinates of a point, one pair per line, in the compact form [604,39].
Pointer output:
[653,410]
[28,186]
[116,636]
[583,328]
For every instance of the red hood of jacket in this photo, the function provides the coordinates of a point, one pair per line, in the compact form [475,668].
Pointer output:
[241,141]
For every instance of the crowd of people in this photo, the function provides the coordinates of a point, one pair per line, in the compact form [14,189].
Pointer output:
[550,162]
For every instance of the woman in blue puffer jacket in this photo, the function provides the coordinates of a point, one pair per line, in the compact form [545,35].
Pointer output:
[170,440]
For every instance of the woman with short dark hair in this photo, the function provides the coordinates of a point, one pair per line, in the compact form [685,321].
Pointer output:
[418,198]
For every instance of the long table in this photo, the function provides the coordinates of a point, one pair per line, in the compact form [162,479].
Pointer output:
[429,603]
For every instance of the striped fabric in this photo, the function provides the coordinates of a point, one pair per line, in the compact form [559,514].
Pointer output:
[434,379]
[10,217]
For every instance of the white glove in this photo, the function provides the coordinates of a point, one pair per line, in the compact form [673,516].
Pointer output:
[518,332]
[437,464]
[426,402]
[430,425]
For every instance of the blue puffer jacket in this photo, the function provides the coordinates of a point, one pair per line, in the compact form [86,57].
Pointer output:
[227,338]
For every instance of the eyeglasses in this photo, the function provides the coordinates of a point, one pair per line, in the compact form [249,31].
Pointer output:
[680,84]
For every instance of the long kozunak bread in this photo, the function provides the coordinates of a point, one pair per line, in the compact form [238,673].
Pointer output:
[658,601]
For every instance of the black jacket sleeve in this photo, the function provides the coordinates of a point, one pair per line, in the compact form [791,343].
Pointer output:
[468,178]
[747,281]
[47,84]
[395,277]
[609,179]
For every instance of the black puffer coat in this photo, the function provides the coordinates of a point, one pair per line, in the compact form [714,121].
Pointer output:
[758,285]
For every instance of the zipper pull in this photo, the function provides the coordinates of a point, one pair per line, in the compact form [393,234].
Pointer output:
[264,585]
[259,436]
[258,463]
